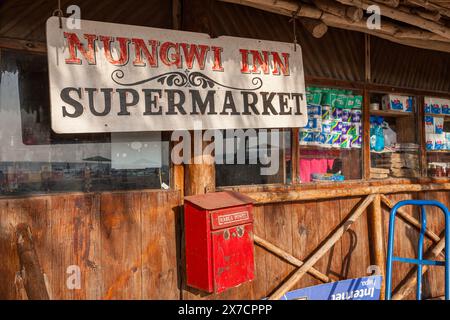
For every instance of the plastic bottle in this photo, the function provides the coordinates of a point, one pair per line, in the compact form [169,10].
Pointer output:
[379,143]
[372,135]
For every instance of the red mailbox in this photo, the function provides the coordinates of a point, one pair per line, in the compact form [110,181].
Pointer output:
[219,240]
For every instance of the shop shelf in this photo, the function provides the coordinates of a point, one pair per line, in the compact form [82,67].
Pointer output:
[390,113]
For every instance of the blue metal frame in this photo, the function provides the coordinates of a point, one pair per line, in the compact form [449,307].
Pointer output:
[419,261]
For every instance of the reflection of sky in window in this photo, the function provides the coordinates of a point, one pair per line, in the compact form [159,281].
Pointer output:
[142,150]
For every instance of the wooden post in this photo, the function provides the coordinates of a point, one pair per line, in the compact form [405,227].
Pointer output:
[200,173]
[30,269]
[376,237]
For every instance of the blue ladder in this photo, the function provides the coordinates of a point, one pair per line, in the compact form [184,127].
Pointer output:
[419,261]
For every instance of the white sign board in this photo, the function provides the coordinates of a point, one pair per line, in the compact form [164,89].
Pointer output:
[109,77]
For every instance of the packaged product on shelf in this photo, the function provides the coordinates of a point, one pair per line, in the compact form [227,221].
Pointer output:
[429,141]
[341,101]
[445,108]
[313,95]
[326,126]
[394,102]
[429,124]
[447,140]
[314,109]
[436,108]
[328,143]
[434,141]
[306,137]
[314,123]
[409,104]
[438,125]
[355,129]
[336,113]
[439,142]
[326,112]
[345,127]
[358,102]
[356,141]
[350,102]
[328,98]
[336,126]
[345,141]
[346,115]
[319,138]
[427,105]
[356,115]
[336,140]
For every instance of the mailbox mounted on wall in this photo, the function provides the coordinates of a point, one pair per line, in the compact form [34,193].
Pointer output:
[219,240]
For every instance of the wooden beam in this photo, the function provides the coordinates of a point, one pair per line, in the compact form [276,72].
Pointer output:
[290,258]
[340,10]
[30,269]
[323,248]
[410,36]
[376,236]
[399,15]
[429,6]
[23,45]
[315,27]
[338,191]
[390,3]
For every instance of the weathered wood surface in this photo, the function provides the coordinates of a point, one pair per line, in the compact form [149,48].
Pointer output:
[125,244]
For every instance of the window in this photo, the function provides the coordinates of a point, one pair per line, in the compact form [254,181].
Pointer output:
[330,145]
[437,136]
[394,146]
[33,159]
[250,156]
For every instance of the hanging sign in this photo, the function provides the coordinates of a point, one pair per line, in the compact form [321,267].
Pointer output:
[109,77]
[367,288]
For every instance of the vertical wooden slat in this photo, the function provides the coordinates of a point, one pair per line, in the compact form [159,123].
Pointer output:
[159,215]
[278,230]
[121,245]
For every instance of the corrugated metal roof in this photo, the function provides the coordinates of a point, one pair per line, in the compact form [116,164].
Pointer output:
[25,19]
[338,55]
[403,66]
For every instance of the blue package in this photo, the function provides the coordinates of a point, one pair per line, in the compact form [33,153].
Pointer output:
[436,109]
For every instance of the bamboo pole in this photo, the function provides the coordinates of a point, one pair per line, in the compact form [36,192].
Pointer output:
[377,239]
[430,6]
[264,197]
[340,10]
[410,281]
[316,27]
[290,258]
[332,239]
[390,3]
[399,15]
[404,35]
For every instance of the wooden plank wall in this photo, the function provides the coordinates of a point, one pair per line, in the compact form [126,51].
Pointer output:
[127,244]
[124,243]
